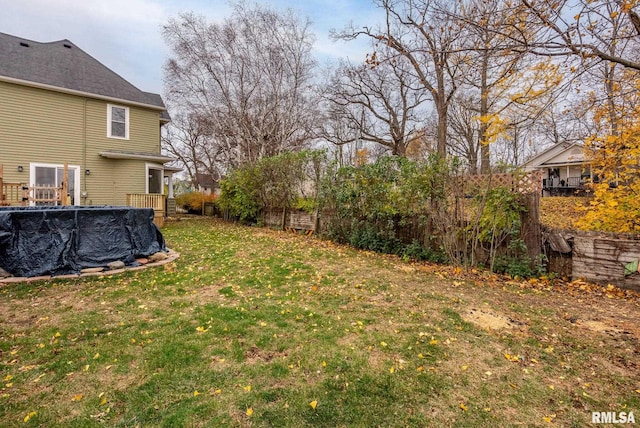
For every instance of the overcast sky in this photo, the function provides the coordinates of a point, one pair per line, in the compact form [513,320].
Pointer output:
[125,34]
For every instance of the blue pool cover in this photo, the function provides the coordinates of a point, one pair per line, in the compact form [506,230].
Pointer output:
[37,241]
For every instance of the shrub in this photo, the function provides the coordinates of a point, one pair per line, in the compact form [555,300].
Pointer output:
[288,180]
[193,201]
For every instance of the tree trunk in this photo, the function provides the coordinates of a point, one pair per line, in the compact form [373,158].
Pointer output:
[442,129]
[485,160]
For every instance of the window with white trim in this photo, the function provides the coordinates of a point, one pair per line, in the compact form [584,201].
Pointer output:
[117,122]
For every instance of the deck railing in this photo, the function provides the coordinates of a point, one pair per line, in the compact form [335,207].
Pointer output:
[11,194]
[569,182]
[145,200]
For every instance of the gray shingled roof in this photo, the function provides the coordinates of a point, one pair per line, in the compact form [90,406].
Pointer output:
[64,65]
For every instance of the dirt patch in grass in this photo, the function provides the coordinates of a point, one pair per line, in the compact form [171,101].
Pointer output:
[600,327]
[489,320]
[255,354]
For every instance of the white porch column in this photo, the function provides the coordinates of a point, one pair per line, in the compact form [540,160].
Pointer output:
[170,196]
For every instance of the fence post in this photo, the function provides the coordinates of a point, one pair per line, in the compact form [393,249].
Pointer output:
[283,223]
[530,229]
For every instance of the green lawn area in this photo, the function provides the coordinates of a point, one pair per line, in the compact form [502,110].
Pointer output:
[253,327]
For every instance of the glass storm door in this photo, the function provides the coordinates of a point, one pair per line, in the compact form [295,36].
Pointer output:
[155,181]
[51,176]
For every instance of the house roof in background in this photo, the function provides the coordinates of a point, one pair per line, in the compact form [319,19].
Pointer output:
[206,180]
[61,65]
[561,153]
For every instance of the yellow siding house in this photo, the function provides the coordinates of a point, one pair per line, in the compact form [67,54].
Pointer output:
[60,105]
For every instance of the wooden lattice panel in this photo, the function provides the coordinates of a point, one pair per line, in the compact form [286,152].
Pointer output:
[530,182]
[483,181]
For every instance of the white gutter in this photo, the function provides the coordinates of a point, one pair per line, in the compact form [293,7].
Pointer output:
[150,157]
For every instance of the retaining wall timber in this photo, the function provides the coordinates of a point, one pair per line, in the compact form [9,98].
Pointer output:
[596,257]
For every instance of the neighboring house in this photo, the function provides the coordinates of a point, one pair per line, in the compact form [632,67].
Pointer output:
[565,168]
[60,105]
[207,184]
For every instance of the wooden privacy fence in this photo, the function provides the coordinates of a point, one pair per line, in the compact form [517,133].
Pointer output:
[292,220]
[145,200]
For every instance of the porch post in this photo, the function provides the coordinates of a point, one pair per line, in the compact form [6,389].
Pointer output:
[170,196]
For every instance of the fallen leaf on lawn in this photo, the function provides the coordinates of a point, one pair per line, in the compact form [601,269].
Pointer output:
[464,368]
[549,418]
[324,364]
[313,404]
[201,329]
[514,358]
[463,407]
[196,393]
[433,341]
[249,411]
[95,357]
[77,397]
[104,401]
[29,416]
[392,369]
[218,391]
[247,388]
[383,344]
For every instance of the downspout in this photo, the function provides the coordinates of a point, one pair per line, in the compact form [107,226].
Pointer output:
[83,176]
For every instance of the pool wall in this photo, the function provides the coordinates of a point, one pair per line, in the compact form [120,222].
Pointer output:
[36,241]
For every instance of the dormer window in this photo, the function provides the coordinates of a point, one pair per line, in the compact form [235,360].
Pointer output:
[117,122]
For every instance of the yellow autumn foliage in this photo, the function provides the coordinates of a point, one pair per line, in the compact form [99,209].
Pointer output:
[616,161]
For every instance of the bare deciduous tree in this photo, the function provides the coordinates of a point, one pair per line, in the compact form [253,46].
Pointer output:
[248,77]
[188,138]
[378,102]
[424,35]
[582,29]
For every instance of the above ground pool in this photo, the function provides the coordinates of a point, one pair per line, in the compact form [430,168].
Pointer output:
[59,240]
